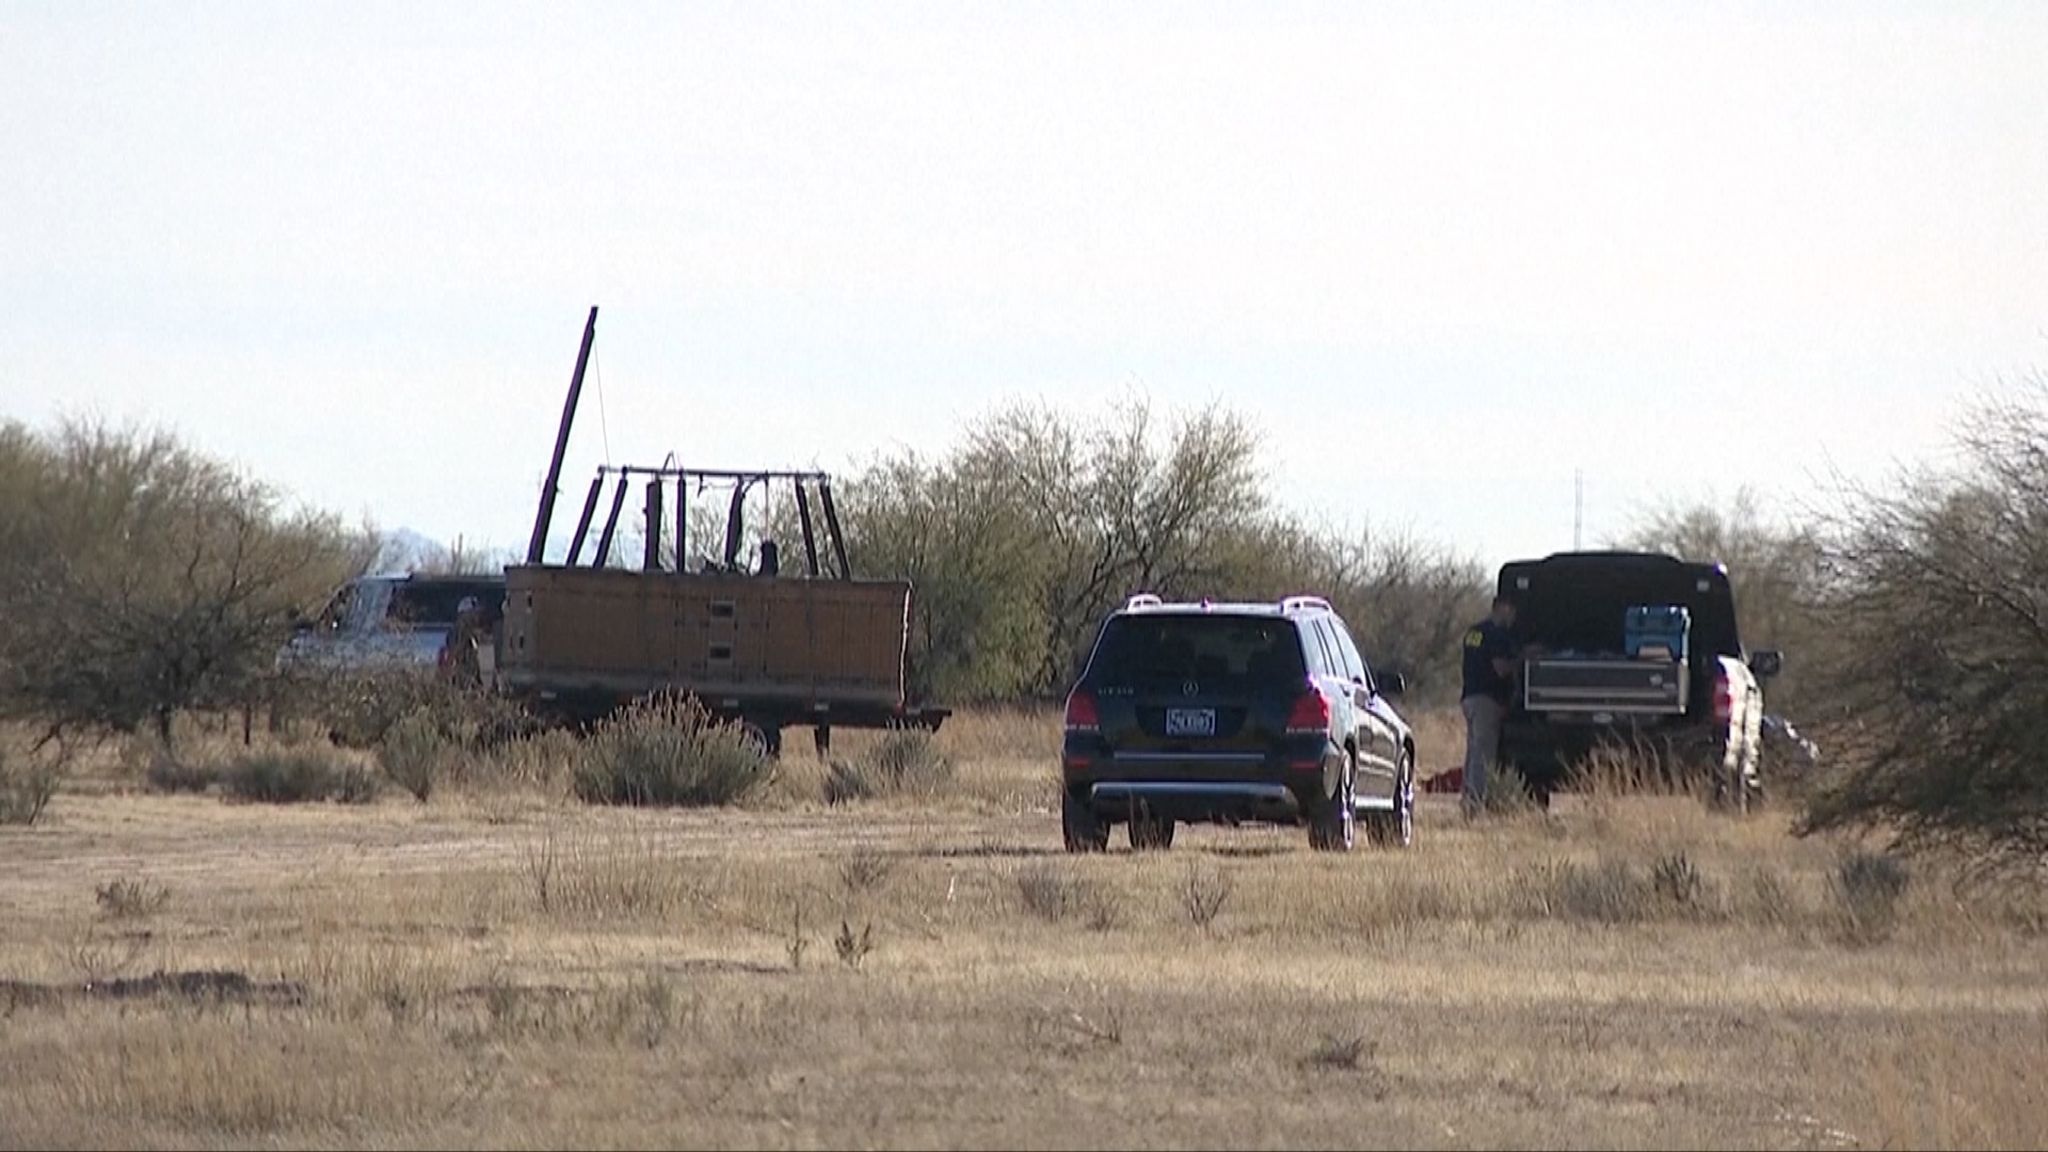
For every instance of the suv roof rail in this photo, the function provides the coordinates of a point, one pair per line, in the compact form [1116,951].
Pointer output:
[1142,600]
[1305,603]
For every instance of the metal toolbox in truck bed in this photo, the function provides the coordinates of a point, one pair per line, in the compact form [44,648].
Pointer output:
[1593,685]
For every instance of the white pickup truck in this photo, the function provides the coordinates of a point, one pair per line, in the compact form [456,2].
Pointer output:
[405,621]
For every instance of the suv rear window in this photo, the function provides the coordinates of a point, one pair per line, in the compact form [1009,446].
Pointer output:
[1138,650]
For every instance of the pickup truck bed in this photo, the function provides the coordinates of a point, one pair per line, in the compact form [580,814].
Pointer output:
[1580,692]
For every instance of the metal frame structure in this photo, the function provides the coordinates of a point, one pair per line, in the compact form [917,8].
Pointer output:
[658,482]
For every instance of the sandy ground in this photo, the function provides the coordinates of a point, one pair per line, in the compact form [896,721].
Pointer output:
[513,970]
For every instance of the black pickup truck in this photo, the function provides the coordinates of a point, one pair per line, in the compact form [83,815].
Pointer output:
[1697,703]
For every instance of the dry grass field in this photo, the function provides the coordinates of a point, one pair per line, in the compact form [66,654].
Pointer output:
[502,966]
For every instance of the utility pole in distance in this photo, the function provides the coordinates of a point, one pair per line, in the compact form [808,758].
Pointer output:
[1579,510]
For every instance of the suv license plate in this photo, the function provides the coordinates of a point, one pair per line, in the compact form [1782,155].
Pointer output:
[1190,721]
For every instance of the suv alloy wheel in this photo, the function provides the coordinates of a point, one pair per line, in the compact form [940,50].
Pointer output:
[1334,827]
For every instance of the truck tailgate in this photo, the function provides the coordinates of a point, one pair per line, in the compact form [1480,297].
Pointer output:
[1593,685]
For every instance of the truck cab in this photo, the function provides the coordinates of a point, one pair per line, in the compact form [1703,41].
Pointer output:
[1636,649]
[393,621]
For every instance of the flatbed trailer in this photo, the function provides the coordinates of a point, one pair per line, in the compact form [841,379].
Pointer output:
[766,651]
[766,648]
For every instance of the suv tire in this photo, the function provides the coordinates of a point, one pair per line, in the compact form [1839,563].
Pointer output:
[1151,833]
[1333,827]
[1082,829]
[1396,829]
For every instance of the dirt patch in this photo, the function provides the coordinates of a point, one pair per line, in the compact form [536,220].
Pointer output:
[208,985]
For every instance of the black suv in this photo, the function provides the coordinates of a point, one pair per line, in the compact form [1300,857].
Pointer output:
[1234,713]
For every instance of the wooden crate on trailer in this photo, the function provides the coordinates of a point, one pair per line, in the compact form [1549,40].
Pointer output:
[724,637]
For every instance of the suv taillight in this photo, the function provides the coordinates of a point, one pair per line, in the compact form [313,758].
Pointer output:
[1082,713]
[1311,713]
[1724,700]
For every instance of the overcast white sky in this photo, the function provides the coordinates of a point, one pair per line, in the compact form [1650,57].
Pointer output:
[1442,254]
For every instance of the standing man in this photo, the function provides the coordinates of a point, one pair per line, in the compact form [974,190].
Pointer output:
[1489,686]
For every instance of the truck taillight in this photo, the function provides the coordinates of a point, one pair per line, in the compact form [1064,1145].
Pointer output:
[1311,713]
[1724,700]
[1082,713]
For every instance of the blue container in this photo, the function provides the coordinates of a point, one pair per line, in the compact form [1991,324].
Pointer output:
[1665,627]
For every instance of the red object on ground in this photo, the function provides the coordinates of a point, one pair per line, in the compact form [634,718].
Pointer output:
[1452,780]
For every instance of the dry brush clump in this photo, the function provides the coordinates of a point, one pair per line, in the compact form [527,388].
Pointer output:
[29,780]
[905,762]
[1868,888]
[130,898]
[415,754]
[359,709]
[585,877]
[172,773]
[1204,891]
[298,776]
[669,751]
[1616,891]
[865,870]
[1053,893]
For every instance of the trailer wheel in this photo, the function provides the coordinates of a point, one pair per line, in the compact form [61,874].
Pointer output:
[766,737]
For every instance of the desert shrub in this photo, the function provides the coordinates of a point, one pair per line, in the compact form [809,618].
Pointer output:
[297,776]
[126,899]
[416,751]
[866,870]
[1508,794]
[904,762]
[169,773]
[1936,665]
[1345,1053]
[27,782]
[1203,893]
[1678,883]
[853,949]
[604,879]
[359,709]
[1769,899]
[1047,891]
[669,751]
[545,760]
[1609,892]
[1867,887]
[355,784]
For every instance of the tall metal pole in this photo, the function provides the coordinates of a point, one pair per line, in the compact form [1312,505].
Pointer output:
[832,529]
[611,523]
[589,514]
[650,557]
[538,544]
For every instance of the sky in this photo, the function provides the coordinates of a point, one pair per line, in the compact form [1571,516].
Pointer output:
[1444,256]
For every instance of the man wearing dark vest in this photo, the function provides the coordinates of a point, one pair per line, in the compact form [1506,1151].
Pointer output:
[1489,651]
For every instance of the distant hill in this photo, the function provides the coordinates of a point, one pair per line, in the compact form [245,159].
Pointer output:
[404,550]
